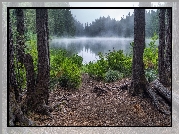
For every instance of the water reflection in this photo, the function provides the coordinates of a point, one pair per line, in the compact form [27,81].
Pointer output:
[89,48]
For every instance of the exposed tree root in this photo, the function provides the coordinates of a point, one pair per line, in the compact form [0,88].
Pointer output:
[160,96]
[16,114]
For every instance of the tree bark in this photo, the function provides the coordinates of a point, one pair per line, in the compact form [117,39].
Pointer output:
[160,95]
[169,47]
[139,81]
[37,100]
[43,76]
[12,77]
[15,112]
[163,91]
[24,59]
[161,48]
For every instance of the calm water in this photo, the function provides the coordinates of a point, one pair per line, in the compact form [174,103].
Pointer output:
[89,48]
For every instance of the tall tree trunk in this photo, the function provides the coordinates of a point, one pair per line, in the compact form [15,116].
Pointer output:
[15,112]
[169,47]
[12,78]
[139,81]
[37,99]
[43,76]
[24,59]
[161,48]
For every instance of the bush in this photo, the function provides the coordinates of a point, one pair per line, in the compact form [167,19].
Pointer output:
[112,76]
[98,69]
[150,55]
[114,60]
[65,69]
[120,62]
[69,75]
[151,74]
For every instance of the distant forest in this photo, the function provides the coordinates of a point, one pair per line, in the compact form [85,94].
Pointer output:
[109,27]
[67,25]
[62,23]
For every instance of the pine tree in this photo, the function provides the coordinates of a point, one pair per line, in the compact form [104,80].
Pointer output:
[139,81]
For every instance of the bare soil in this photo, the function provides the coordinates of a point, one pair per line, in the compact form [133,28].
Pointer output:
[87,107]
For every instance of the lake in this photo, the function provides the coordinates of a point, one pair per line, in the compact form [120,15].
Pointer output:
[89,48]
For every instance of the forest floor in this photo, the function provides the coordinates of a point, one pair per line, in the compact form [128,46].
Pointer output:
[85,107]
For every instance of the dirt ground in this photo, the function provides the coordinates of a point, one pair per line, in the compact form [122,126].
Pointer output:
[88,107]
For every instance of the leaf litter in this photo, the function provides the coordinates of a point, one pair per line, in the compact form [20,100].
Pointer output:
[100,104]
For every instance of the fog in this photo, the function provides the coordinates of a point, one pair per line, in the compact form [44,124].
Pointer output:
[89,48]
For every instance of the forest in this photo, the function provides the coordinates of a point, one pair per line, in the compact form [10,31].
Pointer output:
[52,87]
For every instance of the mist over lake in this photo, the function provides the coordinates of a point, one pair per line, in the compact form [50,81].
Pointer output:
[89,48]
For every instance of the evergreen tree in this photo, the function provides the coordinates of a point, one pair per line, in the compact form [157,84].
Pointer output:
[43,76]
[161,47]
[139,81]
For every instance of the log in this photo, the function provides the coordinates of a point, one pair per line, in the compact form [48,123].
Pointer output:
[159,94]
[163,91]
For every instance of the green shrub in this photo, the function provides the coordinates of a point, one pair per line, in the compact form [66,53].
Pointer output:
[118,61]
[150,55]
[98,69]
[65,69]
[114,60]
[111,76]
[77,60]
[70,76]
[151,74]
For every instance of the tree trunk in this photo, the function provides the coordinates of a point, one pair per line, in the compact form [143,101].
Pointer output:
[161,48]
[15,112]
[24,59]
[169,48]
[37,100]
[43,76]
[34,99]
[12,77]
[139,81]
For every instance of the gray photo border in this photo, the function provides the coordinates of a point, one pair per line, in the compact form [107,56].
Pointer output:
[90,130]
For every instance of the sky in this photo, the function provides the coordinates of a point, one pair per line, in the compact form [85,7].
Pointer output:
[89,15]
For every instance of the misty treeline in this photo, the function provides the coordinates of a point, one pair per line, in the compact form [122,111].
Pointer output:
[110,27]
[62,23]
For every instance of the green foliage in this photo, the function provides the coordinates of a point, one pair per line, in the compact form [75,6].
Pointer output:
[118,61]
[114,60]
[97,70]
[20,74]
[61,22]
[76,59]
[151,74]
[66,70]
[150,55]
[70,75]
[150,58]
[31,48]
[111,76]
